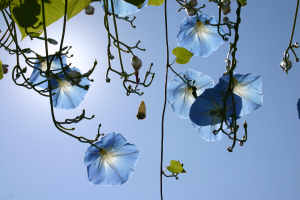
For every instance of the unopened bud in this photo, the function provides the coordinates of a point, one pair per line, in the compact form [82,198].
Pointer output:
[286,65]
[90,10]
[136,63]
[190,12]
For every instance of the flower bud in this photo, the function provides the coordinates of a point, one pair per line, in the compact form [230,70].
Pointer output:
[286,65]
[90,10]
[136,63]
[142,111]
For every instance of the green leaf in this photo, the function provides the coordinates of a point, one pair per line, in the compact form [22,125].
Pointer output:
[76,6]
[4,4]
[183,56]
[175,167]
[155,2]
[28,13]
[1,70]
[137,3]
[243,2]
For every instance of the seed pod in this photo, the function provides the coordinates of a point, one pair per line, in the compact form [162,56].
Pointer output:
[136,63]
[142,111]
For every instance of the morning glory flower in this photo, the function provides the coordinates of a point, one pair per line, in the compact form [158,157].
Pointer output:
[180,94]
[122,8]
[68,95]
[36,77]
[197,36]
[248,87]
[113,164]
[208,109]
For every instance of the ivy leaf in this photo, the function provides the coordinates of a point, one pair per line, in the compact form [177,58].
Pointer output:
[76,6]
[137,3]
[155,2]
[243,2]
[28,13]
[1,70]
[175,167]
[183,56]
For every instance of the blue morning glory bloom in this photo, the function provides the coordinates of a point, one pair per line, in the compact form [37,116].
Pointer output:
[122,8]
[180,94]
[247,86]
[208,109]
[199,37]
[68,95]
[298,106]
[36,77]
[113,164]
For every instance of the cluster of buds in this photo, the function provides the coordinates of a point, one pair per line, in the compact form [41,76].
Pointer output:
[136,63]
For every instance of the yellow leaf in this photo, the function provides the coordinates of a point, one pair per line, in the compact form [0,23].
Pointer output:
[175,167]
[183,56]
[155,2]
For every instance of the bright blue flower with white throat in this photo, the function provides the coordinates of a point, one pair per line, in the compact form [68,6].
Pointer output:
[197,36]
[247,86]
[36,76]
[66,94]
[180,94]
[123,8]
[113,164]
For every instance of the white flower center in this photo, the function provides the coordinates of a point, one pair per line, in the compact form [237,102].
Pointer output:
[240,90]
[64,85]
[201,30]
[108,157]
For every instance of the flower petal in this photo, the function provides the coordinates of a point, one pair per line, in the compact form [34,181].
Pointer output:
[199,37]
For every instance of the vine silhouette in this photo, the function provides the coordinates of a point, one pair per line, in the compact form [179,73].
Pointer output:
[213,109]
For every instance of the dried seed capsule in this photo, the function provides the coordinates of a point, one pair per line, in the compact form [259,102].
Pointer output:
[142,111]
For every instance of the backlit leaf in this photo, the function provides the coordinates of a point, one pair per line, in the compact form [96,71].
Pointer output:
[175,167]
[183,56]
[155,2]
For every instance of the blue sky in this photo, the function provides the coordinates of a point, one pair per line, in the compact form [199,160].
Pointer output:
[38,162]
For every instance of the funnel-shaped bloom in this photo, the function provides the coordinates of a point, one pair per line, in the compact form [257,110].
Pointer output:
[180,94]
[36,76]
[68,95]
[113,164]
[247,86]
[197,36]
[208,109]
[123,8]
